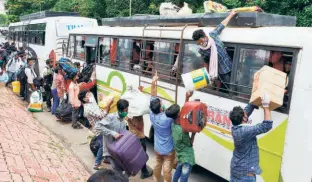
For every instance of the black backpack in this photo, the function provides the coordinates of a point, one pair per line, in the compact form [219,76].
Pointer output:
[95,144]
[86,73]
[21,76]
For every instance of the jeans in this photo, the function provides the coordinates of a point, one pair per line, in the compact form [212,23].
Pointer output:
[11,76]
[183,171]
[56,101]
[244,179]
[99,155]
[165,163]
[48,97]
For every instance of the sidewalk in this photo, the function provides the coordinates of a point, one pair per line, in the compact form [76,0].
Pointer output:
[28,151]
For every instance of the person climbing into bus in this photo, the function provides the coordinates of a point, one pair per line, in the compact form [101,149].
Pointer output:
[111,126]
[136,126]
[163,141]
[47,74]
[214,53]
[245,160]
[183,144]
[95,114]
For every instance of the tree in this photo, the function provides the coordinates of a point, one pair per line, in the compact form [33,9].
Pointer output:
[3,20]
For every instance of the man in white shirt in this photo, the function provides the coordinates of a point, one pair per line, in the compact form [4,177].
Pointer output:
[11,69]
[31,75]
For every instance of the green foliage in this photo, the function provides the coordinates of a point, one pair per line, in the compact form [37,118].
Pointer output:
[3,20]
[98,9]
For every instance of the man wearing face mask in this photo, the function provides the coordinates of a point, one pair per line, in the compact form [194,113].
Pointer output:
[163,141]
[245,160]
[31,75]
[212,51]
[94,114]
[111,126]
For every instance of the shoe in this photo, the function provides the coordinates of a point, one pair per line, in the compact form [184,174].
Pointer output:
[77,126]
[49,110]
[97,167]
[106,160]
[146,175]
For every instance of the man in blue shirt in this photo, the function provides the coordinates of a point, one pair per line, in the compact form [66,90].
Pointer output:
[245,160]
[163,141]
[212,48]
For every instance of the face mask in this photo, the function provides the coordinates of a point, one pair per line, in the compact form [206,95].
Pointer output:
[163,107]
[123,114]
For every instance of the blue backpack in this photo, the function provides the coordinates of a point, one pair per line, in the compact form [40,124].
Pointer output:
[68,67]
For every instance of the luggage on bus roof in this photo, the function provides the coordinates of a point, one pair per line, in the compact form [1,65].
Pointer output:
[250,19]
[46,14]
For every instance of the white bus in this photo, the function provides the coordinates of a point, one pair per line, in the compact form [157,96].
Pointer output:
[285,151]
[46,37]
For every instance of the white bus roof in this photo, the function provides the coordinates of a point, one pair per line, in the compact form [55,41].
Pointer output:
[295,37]
[44,20]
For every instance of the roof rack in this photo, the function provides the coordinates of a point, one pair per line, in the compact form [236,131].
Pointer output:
[46,14]
[251,19]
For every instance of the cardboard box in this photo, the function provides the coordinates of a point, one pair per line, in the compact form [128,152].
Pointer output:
[271,81]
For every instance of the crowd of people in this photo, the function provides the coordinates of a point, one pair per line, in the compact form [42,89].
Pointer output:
[173,146]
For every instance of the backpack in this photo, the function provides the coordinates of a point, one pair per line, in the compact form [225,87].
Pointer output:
[86,73]
[21,76]
[68,67]
[95,144]
[64,111]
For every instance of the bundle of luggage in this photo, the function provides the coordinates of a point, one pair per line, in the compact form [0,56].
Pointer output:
[64,111]
[69,68]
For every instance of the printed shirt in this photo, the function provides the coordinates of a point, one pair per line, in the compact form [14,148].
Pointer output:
[93,112]
[182,145]
[163,142]
[246,152]
[225,63]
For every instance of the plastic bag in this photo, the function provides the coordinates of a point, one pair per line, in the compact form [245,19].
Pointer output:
[104,101]
[213,7]
[4,77]
[167,9]
[185,10]
[36,101]
[138,102]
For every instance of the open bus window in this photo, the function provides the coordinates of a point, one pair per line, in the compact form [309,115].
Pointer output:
[251,61]
[147,57]
[124,52]
[79,48]
[192,60]
[164,59]
[105,44]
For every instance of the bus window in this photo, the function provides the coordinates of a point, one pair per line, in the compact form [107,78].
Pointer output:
[192,60]
[104,44]
[71,46]
[148,55]
[250,61]
[79,48]
[124,52]
[163,58]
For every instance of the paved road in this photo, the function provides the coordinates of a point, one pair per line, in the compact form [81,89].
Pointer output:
[28,151]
